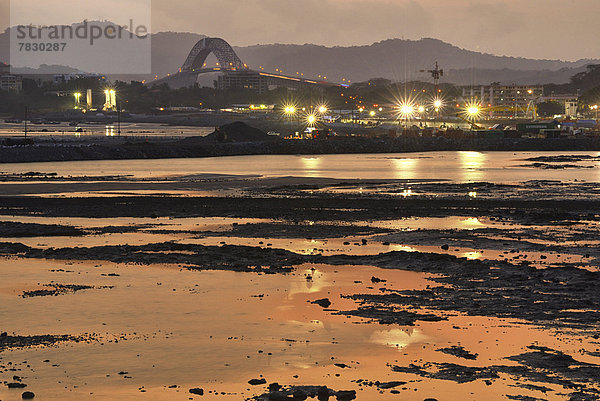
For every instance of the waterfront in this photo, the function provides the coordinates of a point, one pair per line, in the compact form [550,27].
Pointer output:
[462,166]
[391,275]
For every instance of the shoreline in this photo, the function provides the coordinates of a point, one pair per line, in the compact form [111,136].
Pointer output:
[130,148]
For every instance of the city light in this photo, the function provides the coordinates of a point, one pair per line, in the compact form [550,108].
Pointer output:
[473,111]
[289,110]
[406,110]
[77,99]
[372,113]
[437,104]
[322,109]
[311,119]
[421,109]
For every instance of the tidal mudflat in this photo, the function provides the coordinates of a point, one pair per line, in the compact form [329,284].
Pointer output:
[248,287]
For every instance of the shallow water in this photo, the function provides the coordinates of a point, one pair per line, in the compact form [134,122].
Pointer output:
[454,166]
[168,333]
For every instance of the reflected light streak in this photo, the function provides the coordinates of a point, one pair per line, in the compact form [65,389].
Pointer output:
[472,255]
[405,168]
[471,223]
[310,165]
[472,164]
[397,338]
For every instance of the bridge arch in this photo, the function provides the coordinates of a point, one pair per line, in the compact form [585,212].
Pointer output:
[220,48]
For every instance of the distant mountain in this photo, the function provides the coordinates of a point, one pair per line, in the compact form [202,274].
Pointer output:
[394,59]
[403,60]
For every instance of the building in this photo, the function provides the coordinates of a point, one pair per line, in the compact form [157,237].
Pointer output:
[569,101]
[9,82]
[61,78]
[515,101]
[244,79]
[4,68]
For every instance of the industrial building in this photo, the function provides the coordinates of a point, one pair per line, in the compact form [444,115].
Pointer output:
[506,100]
[9,82]
[244,79]
[570,102]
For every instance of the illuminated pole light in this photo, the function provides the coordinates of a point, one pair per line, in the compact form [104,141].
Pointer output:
[372,113]
[311,120]
[77,99]
[421,109]
[322,109]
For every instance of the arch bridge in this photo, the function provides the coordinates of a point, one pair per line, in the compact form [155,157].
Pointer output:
[236,73]
[225,54]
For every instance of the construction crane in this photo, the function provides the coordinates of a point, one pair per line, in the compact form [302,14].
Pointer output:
[436,74]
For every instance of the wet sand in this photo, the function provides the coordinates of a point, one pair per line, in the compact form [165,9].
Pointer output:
[231,284]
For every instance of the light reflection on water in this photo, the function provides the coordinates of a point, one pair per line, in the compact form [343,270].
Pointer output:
[453,166]
[398,338]
[406,169]
[472,164]
[311,166]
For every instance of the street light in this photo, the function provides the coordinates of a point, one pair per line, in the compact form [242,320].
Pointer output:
[473,111]
[322,109]
[77,99]
[311,119]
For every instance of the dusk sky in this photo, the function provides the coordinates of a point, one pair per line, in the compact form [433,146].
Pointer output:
[557,29]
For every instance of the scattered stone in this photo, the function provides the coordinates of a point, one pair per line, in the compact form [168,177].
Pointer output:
[197,391]
[324,303]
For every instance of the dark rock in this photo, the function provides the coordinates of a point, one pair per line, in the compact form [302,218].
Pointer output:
[28,395]
[256,382]
[324,303]
[274,387]
[16,385]
[445,247]
[299,395]
[277,396]
[323,393]
[390,384]
[346,395]
[197,391]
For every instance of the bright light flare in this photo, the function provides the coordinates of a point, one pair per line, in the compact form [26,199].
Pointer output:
[406,110]
[437,103]
[322,109]
[421,109]
[311,119]
[472,111]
